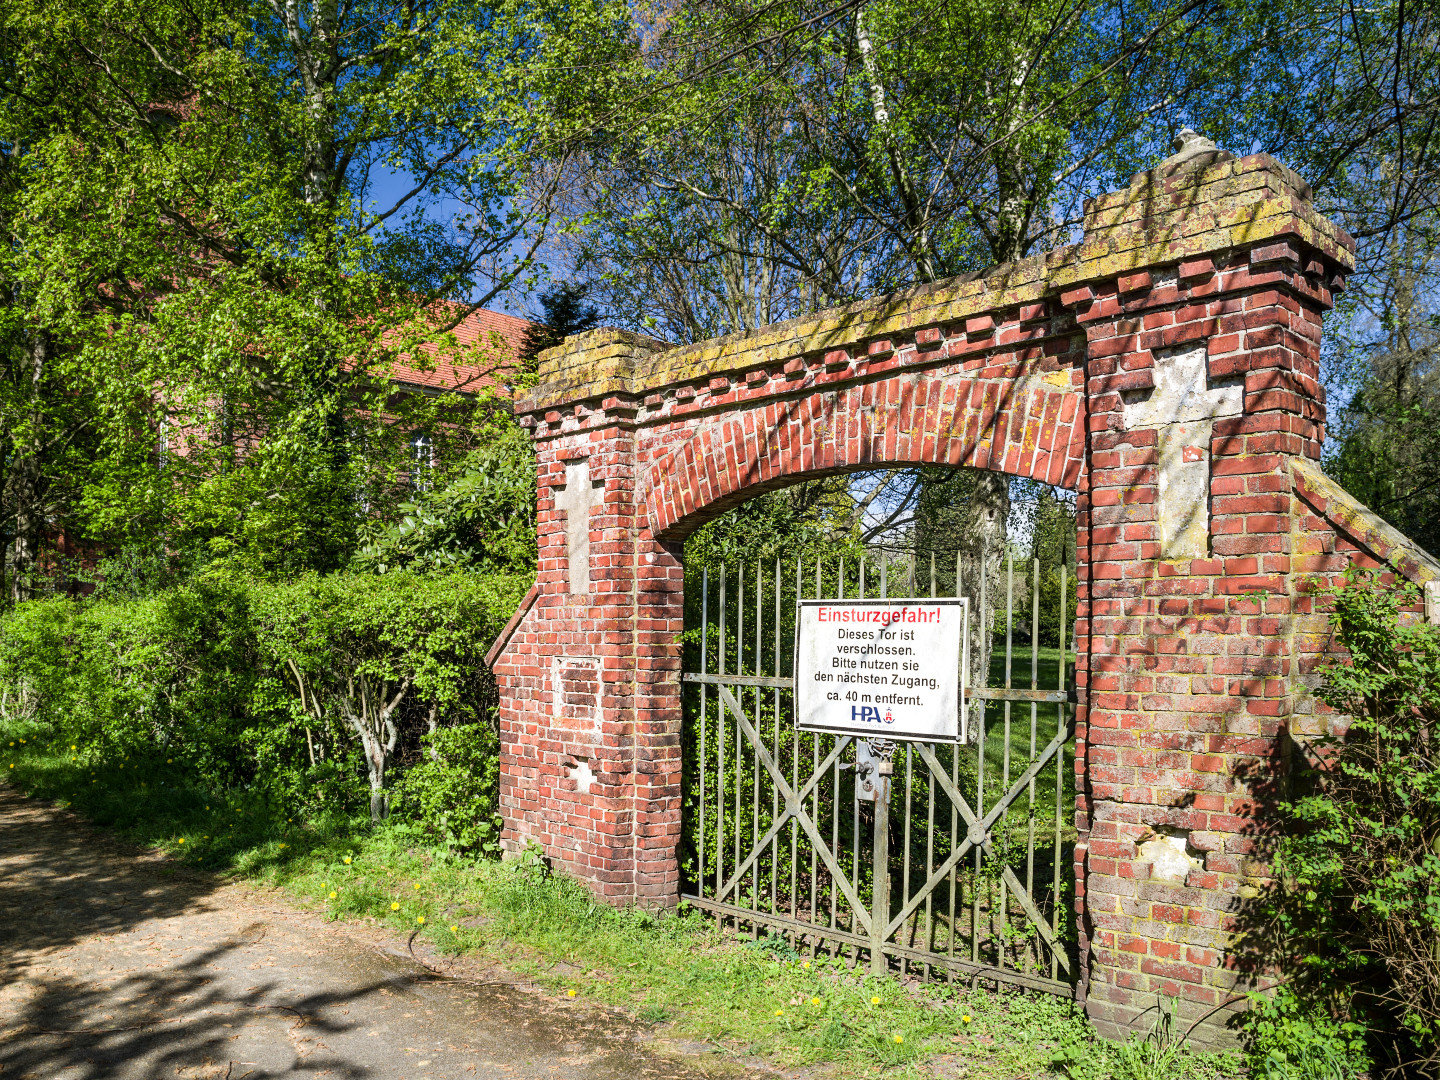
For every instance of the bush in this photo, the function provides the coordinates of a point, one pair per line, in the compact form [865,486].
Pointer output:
[1354,915]
[309,690]
[450,794]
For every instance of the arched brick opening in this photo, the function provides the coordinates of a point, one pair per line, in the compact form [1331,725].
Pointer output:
[1029,425]
[1166,368]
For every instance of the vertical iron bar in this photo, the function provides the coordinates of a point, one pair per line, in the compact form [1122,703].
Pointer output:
[1034,713]
[905,861]
[954,779]
[757,871]
[720,747]
[929,860]
[779,753]
[704,660]
[986,627]
[834,836]
[739,735]
[1056,892]
[880,871]
[1004,819]
[815,802]
[795,747]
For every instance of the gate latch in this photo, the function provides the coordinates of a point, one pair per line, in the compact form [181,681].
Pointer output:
[872,767]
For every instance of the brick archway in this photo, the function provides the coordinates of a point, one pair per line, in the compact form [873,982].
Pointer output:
[1166,368]
[1028,424]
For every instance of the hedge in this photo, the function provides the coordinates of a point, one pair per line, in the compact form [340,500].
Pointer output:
[313,689]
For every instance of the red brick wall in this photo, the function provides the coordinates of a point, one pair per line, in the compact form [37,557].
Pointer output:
[1191,671]
[1189,661]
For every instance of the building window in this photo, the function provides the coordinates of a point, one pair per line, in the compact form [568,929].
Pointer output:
[422,469]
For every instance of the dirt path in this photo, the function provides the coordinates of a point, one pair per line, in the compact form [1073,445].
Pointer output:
[119,964]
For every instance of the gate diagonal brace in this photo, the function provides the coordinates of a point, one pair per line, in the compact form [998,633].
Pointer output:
[981,829]
[780,822]
[793,808]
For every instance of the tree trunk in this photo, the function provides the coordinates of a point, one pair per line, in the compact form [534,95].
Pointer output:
[26,478]
[374,722]
[985,525]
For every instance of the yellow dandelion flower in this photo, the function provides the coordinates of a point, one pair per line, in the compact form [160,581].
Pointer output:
[417,886]
[806,964]
[282,845]
[779,1012]
[570,993]
[395,906]
[72,748]
[814,1001]
[899,1038]
[168,761]
[332,894]
[347,860]
[454,929]
[874,1001]
[182,839]
[420,920]
[966,1018]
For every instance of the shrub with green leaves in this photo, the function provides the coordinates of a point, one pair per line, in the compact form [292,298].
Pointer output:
[451,793]
[310,690]
[1353,919]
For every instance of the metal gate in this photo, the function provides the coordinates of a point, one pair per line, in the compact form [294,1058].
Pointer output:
[936,860]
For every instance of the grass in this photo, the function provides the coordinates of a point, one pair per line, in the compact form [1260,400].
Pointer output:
[744,998]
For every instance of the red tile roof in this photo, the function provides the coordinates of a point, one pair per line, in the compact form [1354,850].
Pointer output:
[489,343]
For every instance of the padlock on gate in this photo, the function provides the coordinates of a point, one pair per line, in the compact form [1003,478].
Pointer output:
[873,767]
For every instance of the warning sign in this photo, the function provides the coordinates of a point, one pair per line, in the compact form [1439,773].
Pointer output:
[881,669]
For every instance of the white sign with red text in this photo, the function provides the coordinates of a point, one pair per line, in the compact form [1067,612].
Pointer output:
[881,669]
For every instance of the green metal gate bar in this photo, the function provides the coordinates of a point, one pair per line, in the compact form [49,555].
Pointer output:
[777,833]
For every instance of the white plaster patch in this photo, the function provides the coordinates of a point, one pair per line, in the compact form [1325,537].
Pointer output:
[583,776]
[577,497]
[1183,408]
[1181,394]
[1168,858]
[575,692]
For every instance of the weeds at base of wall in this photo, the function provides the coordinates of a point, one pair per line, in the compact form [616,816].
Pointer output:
[747,1000]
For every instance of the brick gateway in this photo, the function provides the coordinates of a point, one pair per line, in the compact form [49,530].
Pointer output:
[1165,368]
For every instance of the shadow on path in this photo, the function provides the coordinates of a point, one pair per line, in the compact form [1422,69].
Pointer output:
[116,963]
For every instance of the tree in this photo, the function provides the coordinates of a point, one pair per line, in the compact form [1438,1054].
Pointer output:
[801,155]
[564,310]
[196,241]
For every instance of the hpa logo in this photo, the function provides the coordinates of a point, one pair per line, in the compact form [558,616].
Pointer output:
[868,714]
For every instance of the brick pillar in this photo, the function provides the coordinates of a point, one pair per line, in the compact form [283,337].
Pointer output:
[1202,378]
[590,693]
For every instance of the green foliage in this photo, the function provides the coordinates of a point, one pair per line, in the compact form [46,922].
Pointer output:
[1292,1040]
[451,792]
[1354,913]
[482,520]
[307,690]
[206,296]
[812,520]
